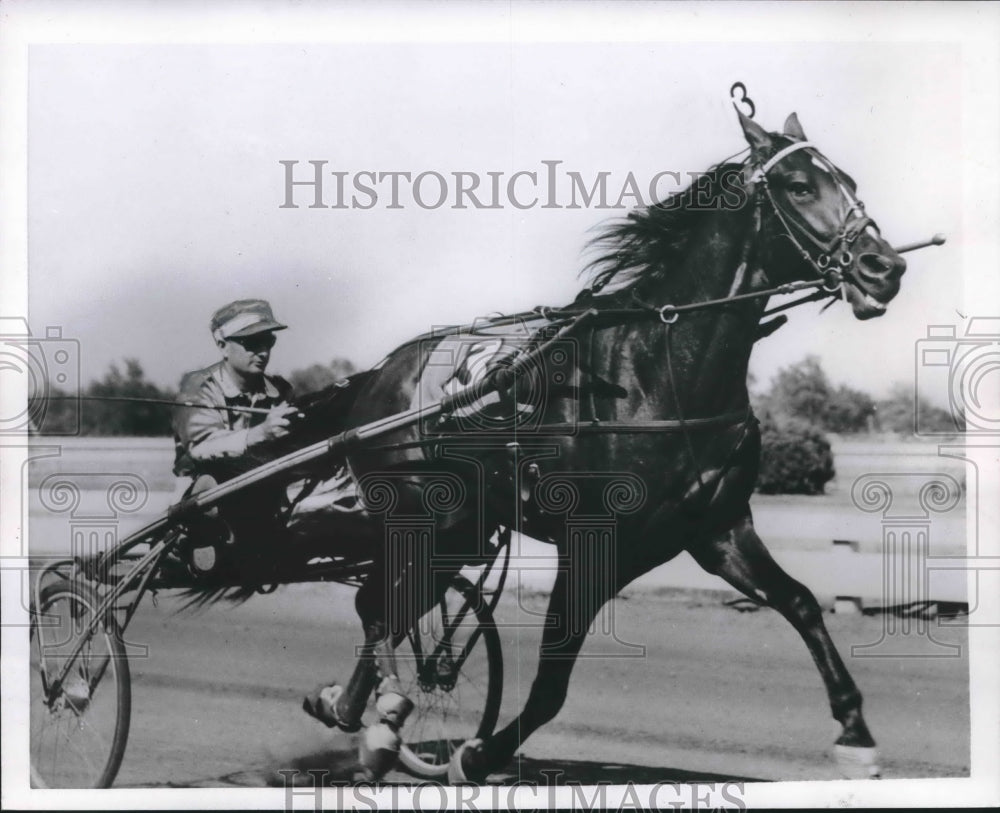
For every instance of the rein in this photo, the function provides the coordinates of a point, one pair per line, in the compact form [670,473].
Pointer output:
[667,313]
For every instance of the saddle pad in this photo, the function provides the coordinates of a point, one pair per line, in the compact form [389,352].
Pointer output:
[457,361]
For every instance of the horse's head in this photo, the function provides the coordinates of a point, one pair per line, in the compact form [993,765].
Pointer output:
[814,212]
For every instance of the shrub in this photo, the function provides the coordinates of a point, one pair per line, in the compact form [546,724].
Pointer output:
[795,457]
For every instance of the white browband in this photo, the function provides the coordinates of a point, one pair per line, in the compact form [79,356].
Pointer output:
[798,145]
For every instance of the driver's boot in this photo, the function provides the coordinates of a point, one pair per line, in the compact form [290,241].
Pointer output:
[208,534]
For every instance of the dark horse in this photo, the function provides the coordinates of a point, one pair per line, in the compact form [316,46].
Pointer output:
[646,418]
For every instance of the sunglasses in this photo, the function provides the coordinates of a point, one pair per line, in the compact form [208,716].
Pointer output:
[255,344]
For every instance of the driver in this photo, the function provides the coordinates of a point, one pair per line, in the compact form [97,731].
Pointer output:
[216,442]
[218,437]
[237,411]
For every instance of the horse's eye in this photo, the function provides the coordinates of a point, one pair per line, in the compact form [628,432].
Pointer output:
[799,189]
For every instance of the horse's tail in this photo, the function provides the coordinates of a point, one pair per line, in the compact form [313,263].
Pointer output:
[200,596]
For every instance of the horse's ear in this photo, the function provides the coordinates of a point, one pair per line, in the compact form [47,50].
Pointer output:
[793,129]
[756,136]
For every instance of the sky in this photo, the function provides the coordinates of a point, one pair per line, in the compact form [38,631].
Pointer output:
[155,184]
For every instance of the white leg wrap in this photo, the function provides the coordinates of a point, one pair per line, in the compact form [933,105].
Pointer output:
[857,763]
[393,708]
[378,750]
[392,705]
[456,773]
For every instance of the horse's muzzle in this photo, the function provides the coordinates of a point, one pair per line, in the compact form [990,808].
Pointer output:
[878,269]
[872,282]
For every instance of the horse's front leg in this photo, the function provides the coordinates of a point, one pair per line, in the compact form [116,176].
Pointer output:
[739,557]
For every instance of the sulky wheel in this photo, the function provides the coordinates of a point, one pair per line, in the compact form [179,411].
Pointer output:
[79,720]
[451,667]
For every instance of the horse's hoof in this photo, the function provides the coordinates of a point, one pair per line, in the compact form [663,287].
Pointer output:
[321,704]
[378,750]
[467,765]
[857,763]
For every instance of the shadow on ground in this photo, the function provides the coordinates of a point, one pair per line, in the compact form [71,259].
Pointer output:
[332,768]
[584,772]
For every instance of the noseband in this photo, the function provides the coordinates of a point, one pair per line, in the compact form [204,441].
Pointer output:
[829,258]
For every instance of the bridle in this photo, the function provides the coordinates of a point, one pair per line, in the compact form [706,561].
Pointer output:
[831,258]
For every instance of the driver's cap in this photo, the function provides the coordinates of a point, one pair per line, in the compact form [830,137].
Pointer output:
[244,317]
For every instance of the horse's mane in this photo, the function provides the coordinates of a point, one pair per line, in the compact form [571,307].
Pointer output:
[649,242]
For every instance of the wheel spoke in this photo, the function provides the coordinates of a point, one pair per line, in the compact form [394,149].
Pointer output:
[76,748]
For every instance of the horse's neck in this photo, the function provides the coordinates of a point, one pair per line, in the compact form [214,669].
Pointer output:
[711,264]
[708,351]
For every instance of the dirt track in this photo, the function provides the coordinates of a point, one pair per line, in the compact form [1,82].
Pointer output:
[717,694]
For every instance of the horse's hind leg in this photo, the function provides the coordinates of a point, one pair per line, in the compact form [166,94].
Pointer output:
[401,589]
[343,706]
[577,596]
[741,559]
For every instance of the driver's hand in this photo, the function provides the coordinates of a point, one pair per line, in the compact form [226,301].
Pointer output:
[276,425]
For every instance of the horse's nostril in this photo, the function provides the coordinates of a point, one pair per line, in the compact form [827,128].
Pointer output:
[878,266]
[875,264]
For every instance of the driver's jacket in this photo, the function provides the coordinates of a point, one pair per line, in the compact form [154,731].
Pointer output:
[214,441]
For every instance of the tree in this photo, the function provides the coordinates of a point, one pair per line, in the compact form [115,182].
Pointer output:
[54,412]
[896,414]
[125,418]
[317,376]
[803,391]
[848,410]
[800,391]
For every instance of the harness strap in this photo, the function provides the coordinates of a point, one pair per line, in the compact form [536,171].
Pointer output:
[680,411]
